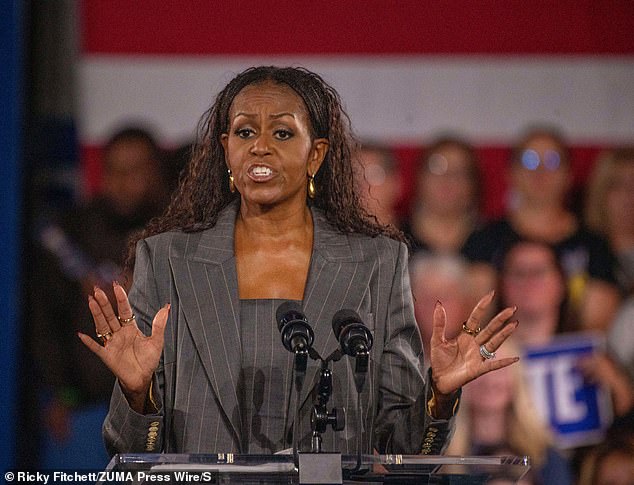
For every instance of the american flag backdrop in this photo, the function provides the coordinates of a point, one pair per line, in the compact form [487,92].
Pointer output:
[405,69]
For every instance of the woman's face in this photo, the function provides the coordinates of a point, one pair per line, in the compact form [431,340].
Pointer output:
[269,148]
[532,281]
[619,197]
[130,176]
[541,175]
[446,182]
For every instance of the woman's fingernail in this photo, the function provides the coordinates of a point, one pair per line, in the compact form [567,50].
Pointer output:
[115,283]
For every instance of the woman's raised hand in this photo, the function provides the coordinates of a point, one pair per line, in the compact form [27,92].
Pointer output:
[458,361]
[127,352]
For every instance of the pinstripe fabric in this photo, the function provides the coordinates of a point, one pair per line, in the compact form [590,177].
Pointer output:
[265,379]
[198,383]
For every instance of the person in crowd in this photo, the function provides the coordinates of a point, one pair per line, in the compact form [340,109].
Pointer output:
[267,213]
[531,279]
[611,462]
[446,200]
[604,369]
[439,277]
[621,336]
[84,248]
[506,423]
[609,208]
[540,179]
[378,182]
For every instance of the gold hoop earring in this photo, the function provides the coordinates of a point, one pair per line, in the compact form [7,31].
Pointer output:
[312,191]
[232,185]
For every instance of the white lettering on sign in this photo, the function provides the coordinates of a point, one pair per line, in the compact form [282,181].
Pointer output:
[566,381]
[556,377]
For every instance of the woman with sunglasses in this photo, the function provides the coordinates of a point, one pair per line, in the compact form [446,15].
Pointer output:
[540,180]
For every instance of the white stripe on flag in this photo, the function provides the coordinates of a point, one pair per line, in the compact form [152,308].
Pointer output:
[394,99]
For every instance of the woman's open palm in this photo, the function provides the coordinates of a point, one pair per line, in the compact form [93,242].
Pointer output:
[127,352]
[457,361]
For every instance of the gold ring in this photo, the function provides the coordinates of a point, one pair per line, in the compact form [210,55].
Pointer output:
[126,321]
[466,329]
[105,336]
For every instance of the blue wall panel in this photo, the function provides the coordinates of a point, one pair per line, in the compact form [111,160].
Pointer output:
[10,203]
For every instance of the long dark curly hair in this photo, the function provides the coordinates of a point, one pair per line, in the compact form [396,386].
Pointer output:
[203,190]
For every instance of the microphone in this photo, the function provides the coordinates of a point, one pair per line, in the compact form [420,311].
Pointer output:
[356,341]
[297,334]
[352,334]
[297,337]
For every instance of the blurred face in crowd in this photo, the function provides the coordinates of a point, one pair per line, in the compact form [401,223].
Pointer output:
[532,281]
[446,183]
[378,184]
[619,197]
[541,175]
[131,175]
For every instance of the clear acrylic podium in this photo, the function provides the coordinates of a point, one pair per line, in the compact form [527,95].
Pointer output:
[317,469]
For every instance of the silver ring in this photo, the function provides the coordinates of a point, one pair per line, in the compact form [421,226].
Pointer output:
[125,321]
[484,352]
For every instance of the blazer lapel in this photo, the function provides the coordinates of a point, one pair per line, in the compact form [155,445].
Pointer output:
[206,281]
[337,279]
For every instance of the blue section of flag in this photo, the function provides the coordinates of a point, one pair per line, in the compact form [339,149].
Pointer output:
[10,180]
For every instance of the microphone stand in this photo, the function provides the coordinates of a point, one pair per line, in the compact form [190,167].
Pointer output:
[320,417]
[299,372]
[317,467]
[360,371]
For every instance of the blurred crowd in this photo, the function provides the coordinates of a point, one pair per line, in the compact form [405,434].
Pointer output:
[569,269]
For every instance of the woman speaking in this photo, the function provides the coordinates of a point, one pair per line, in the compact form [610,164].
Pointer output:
[266,213]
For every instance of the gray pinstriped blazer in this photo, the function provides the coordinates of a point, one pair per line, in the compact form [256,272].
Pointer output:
[196,382]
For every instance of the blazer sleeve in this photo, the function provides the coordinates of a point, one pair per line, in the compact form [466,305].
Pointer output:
[124,430]
[403,424]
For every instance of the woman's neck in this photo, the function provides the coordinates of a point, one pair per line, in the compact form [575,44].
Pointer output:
[536,329]
[545,223]
[274,223]
[273,251]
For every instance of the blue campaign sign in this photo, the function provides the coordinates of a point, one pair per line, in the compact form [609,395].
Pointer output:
[578,411]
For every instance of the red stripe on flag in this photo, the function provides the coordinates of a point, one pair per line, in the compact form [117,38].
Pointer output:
[91,168]
[268,27]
